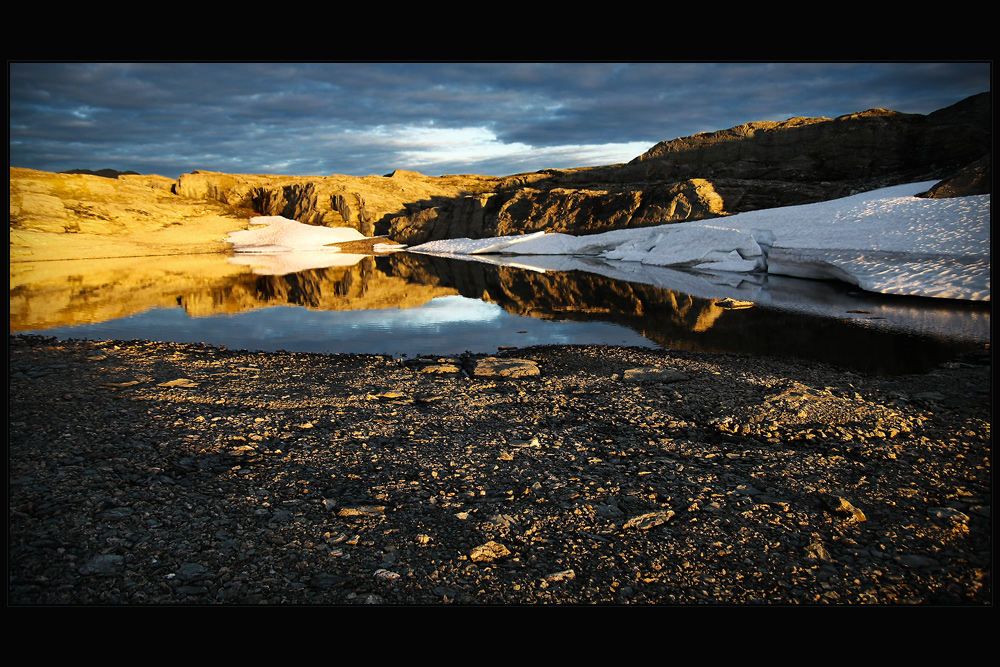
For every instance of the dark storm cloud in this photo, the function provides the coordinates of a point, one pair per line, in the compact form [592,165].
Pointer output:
[361,118]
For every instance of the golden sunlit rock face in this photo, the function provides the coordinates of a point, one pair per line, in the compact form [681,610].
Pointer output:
[330,201]
[73,216]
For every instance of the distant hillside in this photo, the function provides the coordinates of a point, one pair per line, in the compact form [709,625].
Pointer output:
[105,173]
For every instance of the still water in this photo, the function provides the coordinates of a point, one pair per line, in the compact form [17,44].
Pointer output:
[445,325]
[406,304]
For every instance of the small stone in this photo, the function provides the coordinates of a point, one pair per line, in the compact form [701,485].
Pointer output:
[192,572]
[393,396]
[182,383]
[838,504]
[362,511]
[103,564]
[121,385]
[949,514]
[441,369]
[650,520]
[490,551]
[817,551]
[733,304]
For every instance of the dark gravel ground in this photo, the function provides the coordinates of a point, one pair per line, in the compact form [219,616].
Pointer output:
[154,473]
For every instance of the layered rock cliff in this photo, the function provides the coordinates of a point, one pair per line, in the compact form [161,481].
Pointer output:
[332,201]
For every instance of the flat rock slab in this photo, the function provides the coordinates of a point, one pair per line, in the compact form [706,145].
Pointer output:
[654,375]
[512,368]
[442,366]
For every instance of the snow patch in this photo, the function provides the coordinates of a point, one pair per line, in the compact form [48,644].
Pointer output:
[270,234]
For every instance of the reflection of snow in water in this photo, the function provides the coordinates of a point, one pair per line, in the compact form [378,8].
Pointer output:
[283,263]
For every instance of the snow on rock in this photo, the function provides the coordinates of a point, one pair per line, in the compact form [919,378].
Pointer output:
[488,246]
[270,234]
[887,241]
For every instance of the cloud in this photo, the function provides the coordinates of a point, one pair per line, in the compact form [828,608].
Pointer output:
[363,118]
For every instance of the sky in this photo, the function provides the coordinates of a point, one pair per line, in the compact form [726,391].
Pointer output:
[490,118]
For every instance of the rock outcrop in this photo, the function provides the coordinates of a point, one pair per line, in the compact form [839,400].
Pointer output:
[974,179]
[331,201]
[87,216]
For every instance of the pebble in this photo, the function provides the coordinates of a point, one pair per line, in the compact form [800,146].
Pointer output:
[358,479]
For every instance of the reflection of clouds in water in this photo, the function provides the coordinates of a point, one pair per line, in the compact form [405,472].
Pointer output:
[446,325]
[440,310]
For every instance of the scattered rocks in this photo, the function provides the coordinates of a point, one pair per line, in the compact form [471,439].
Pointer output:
[353,479]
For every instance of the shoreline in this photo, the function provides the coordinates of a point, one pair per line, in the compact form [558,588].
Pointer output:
[155,473]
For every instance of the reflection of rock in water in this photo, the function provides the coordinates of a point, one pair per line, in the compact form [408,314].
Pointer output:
[360,286]
[568,295]
[315,287]
[677,320]
[51,294]
[44,295]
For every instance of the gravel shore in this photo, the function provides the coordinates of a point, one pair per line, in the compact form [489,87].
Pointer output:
[154,473]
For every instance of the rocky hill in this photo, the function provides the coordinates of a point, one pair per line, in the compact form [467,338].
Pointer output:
[751,166]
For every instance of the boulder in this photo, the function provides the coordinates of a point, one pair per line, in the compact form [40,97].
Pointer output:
[975,179]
